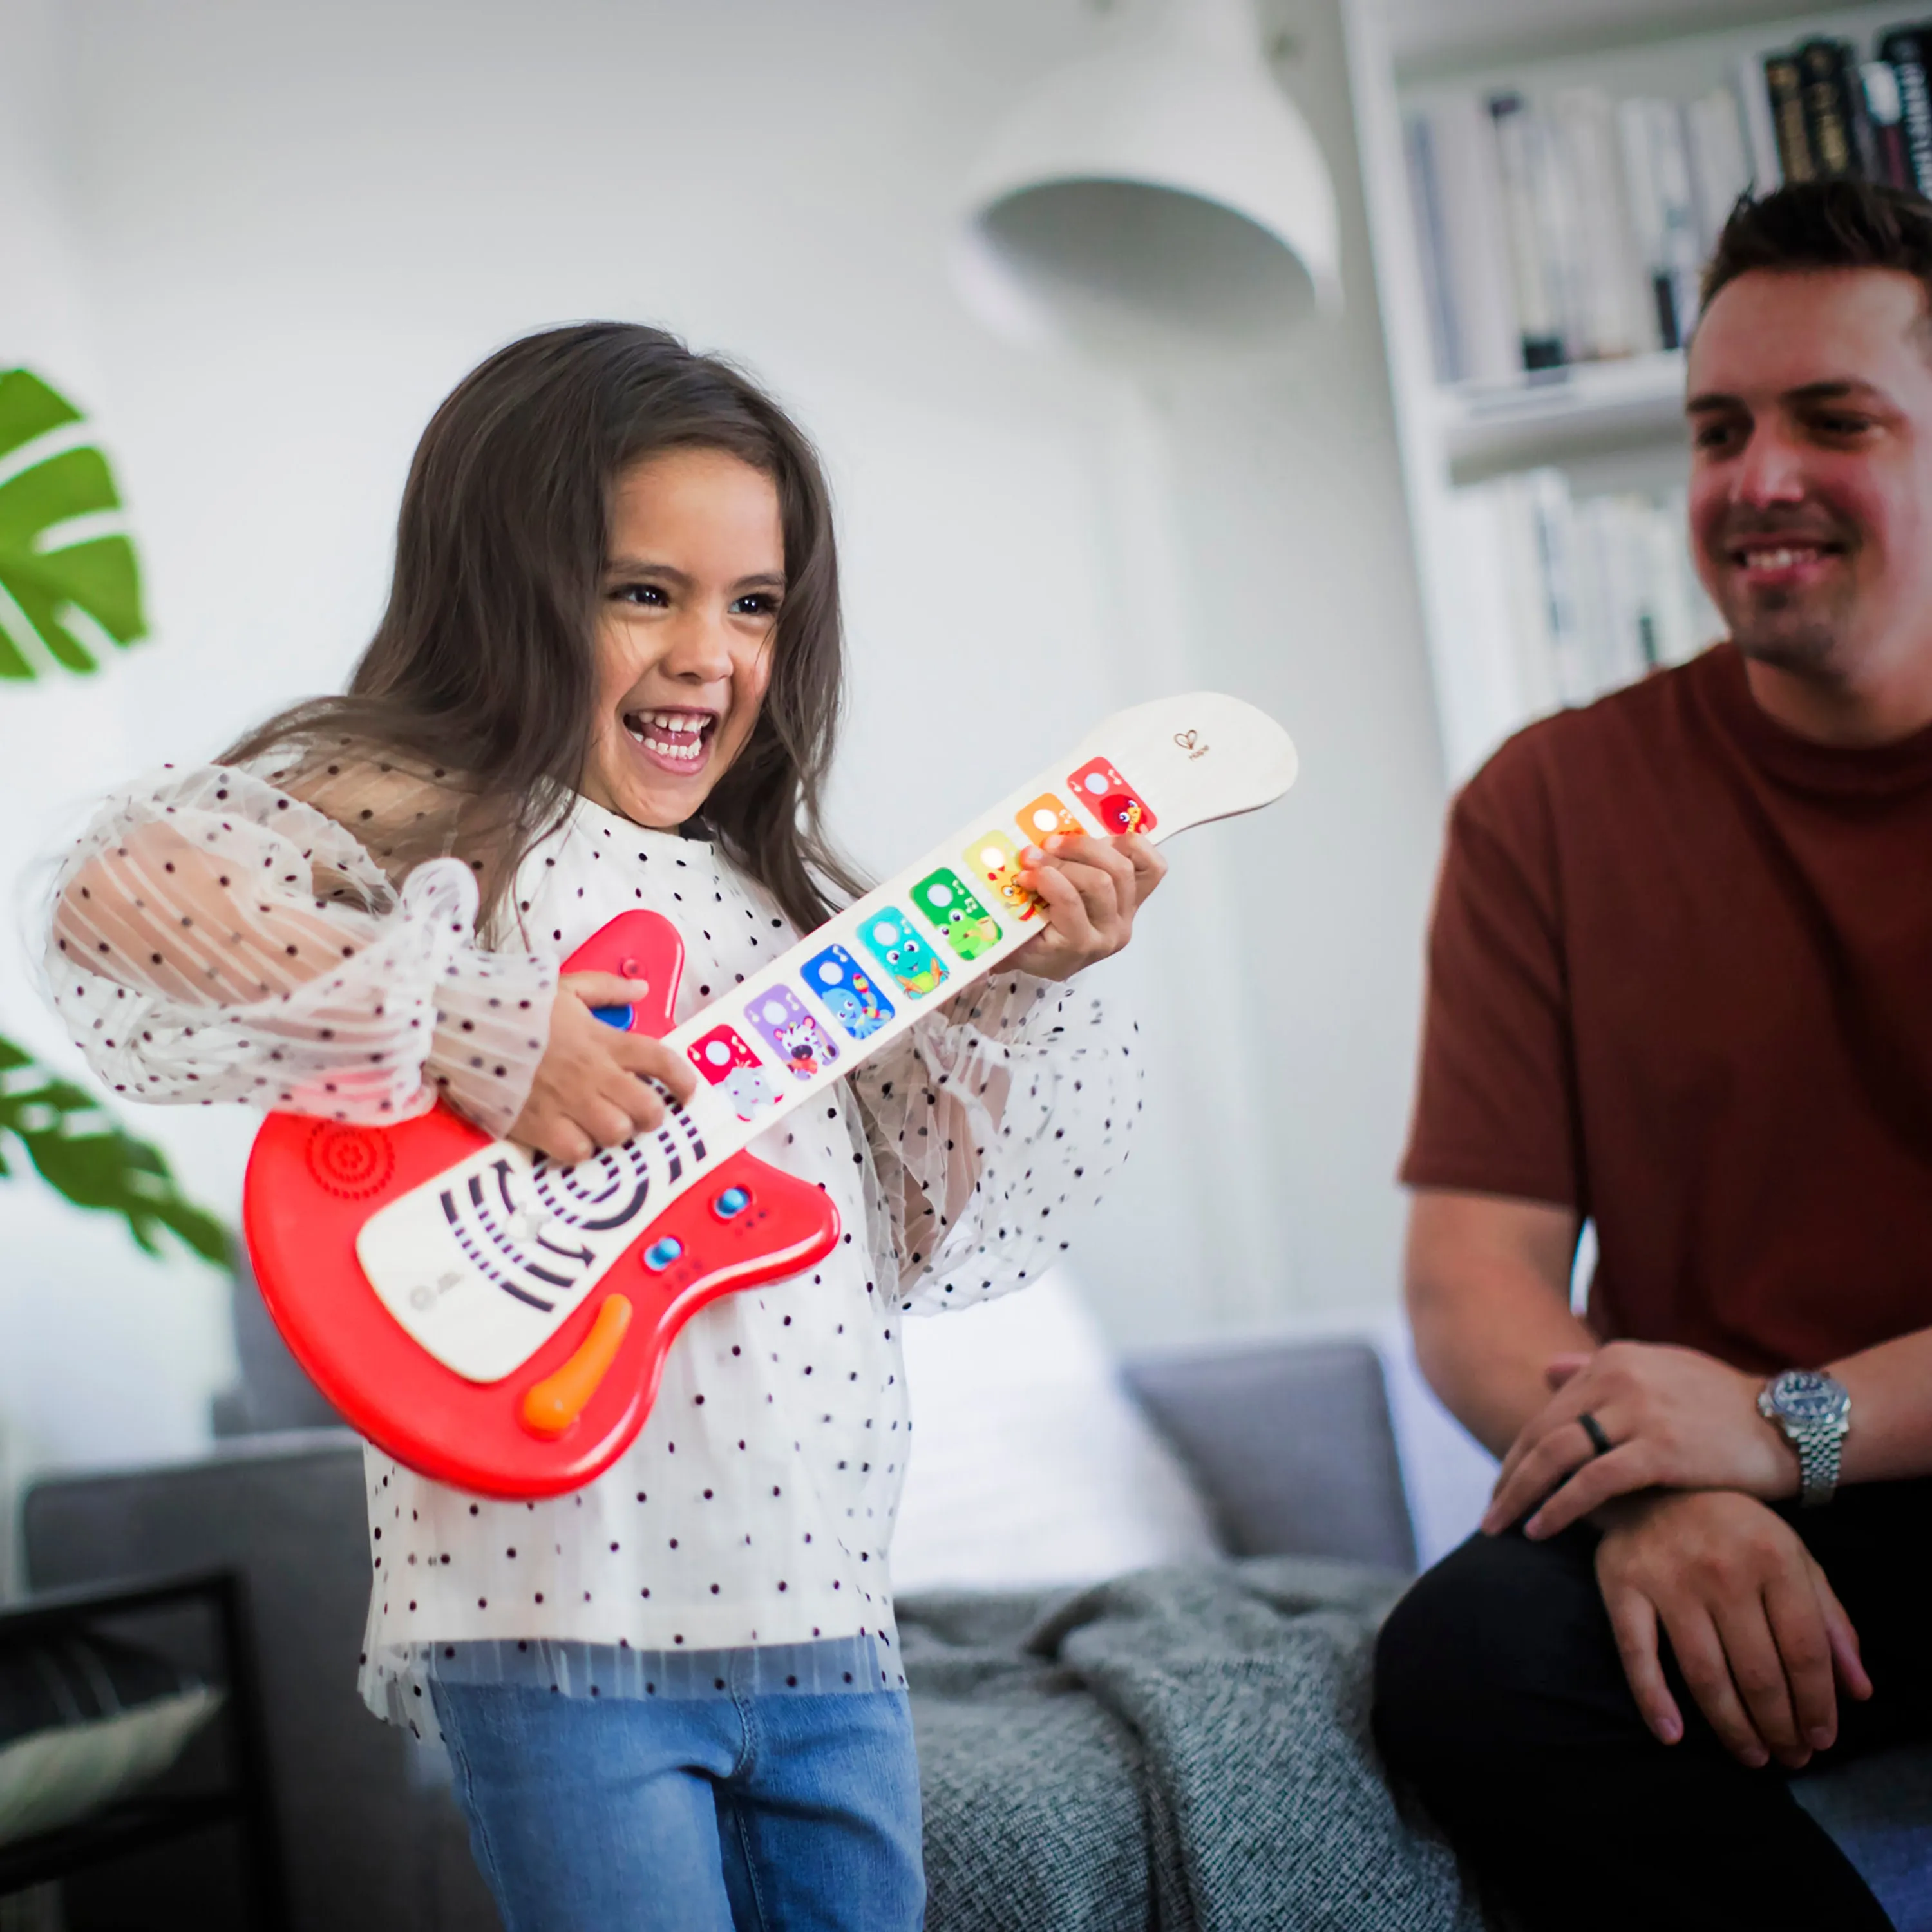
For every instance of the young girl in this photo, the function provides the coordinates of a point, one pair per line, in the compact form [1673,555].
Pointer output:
[607,678]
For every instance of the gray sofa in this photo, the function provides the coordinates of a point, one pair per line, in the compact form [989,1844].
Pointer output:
[1292,1444]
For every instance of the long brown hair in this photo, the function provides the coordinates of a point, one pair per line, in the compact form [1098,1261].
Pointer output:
[476,692]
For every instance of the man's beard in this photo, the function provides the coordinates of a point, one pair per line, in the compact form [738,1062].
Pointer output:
[1801,632]
[1777,629]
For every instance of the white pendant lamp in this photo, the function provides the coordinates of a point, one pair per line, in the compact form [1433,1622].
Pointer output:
[1163,191]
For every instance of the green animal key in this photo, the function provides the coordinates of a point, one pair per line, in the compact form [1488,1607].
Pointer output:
[966,925]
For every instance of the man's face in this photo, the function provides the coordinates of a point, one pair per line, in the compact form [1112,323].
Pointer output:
[1810,409]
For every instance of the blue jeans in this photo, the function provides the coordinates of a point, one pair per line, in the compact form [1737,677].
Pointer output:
[745,1814]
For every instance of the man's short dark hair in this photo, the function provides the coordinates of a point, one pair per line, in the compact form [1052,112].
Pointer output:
[1824,224]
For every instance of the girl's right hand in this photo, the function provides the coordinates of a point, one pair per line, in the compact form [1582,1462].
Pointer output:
[591,1088]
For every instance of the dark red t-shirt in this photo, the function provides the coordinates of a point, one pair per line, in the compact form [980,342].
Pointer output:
[1681,980]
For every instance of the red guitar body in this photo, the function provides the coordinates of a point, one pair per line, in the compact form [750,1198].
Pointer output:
[570,1411]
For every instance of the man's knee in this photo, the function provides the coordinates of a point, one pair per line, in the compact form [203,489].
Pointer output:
[1487,1652]
[1431,1648]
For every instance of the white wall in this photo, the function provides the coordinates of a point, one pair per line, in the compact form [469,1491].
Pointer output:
[43,309]
[100,1350]
[298,226]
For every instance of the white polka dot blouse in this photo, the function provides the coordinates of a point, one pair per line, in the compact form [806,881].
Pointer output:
[215,938]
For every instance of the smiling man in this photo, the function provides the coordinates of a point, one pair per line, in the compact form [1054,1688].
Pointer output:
[1681,985]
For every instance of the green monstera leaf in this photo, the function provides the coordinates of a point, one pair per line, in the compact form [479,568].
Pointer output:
[82,1154]
[67,595]
[64,588]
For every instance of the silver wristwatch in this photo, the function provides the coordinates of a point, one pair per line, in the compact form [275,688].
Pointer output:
[1812,1411]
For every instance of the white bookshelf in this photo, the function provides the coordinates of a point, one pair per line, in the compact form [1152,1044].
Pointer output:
[1559,416]
[1605,426]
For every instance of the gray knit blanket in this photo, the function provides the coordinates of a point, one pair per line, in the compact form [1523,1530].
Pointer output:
[1183,1750]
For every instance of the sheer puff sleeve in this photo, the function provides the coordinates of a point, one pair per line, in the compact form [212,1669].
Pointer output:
[989,1123]
[216,938]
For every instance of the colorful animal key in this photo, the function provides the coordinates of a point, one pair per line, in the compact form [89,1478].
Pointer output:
[968,927]
[847,992]
[1110,799]
[900,951]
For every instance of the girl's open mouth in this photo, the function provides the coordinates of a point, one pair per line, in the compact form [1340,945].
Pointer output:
[676,742]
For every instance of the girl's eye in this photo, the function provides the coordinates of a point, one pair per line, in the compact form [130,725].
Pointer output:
[648,595]
[759,604]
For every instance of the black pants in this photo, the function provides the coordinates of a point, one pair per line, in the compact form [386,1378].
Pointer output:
[1500,1697]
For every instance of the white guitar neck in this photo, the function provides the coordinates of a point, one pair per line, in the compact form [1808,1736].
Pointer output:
[483,1264]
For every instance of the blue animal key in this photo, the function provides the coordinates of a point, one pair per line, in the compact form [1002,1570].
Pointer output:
[847,992]
[900,951]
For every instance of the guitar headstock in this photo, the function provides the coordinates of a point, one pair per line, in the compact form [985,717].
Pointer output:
[1189,760]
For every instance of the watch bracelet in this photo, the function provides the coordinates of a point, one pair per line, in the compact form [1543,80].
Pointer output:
[1819,1453]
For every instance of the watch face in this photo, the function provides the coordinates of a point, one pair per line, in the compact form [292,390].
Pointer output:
[1803,1395]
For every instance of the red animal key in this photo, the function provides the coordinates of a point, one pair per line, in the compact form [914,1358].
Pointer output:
[1110,799]
[566,1413]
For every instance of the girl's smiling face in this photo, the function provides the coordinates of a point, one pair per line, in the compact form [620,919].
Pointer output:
[691,591]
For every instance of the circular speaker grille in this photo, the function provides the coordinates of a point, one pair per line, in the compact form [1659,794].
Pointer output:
[351,1162]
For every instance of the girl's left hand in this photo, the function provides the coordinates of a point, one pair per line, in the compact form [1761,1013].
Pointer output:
[1091,889]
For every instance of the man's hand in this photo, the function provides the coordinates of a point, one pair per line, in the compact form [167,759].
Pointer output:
[590,1091]
[1763,1643]
[1675,1418]
[1091,889]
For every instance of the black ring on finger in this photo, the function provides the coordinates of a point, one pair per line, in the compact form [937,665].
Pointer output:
[1599,1443]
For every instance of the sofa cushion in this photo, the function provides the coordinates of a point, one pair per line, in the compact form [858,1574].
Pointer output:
[1292,1441]
[1032,1464]
[84,1720]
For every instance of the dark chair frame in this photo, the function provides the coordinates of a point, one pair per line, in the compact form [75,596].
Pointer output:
[244,1799]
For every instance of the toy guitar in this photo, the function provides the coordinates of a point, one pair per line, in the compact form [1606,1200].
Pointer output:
[499,1321]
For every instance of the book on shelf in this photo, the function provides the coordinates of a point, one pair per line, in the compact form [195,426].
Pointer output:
[1719,150]
[1656,157]
[1784,86]
[1464,251]
[1538,253]
[1833,120]
[1561,597]
[1573,227]
[1610,315]
[1424,171]
[1753,99]
[1904,50]
[1885,110]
